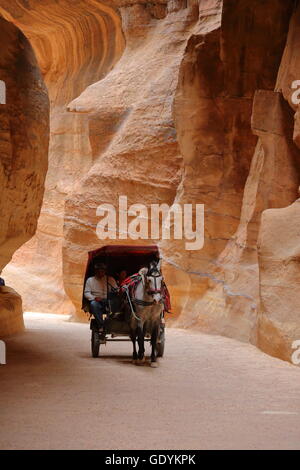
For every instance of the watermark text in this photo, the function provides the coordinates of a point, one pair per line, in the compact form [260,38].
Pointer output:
[2,352]
[157,222]
[296,354]
[296,95]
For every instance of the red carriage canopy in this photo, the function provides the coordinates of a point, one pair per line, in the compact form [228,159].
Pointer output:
[130,258]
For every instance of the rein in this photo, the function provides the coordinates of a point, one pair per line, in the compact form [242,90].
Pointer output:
[130,304]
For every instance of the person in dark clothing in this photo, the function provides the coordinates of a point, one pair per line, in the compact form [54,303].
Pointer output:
[122,275]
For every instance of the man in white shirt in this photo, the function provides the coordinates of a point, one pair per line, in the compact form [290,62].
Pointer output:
[96,289]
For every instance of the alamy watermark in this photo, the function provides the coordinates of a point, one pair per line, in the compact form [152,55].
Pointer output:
[296,354]
[2,92]
[2,352]
[158,222]
[296,94]
[295,98]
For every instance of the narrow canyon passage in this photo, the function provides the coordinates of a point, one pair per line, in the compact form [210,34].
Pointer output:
[209,392]
[188,110]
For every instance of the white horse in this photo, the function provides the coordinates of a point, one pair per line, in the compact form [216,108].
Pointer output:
[146,311]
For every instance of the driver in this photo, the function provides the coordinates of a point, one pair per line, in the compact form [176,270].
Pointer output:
[96,289]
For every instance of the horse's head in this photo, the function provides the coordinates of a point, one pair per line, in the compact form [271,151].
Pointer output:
[153,281]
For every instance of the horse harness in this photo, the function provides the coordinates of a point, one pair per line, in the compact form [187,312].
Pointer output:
[143,303]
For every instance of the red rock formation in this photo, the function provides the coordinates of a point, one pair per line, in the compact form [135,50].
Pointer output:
[278,320]
[213,80]
[239,295]
[75,44]
[225,272]
[132,131]
[24,130]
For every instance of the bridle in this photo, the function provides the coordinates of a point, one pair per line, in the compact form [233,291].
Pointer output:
[155,276]
[145,303]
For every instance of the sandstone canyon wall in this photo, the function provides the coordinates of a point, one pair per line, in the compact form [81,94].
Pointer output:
[24,131]
[278,243]
[173,102]
[76,43]
[224,132]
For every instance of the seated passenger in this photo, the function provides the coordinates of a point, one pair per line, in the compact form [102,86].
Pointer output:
[122,275]
[96,289]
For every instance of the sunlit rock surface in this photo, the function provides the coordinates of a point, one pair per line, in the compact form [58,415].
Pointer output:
[279,314]
[132,130]
[24,131]
[226,271]
[220,74]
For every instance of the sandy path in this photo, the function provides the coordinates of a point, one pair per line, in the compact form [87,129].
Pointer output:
[209,392]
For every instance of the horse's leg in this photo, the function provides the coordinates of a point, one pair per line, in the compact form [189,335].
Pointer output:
[140,337]
[154,337]
[133,339]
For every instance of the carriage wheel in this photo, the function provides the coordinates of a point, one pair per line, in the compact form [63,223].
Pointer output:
[161,345]
[95,340]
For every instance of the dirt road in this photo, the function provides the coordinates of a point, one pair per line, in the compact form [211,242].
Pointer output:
[208,393]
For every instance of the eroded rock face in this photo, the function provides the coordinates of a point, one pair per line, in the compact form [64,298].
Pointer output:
[213,106]
[212,80]
[23,140]
[279,318]
[132,131]
[76,43]
[236,154]
[279,254]
[24,132]
[226,271]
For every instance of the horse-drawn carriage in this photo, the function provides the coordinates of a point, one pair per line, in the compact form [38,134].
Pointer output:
[134,311]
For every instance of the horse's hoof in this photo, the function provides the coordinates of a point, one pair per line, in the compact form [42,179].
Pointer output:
[154,364]
[140,362]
